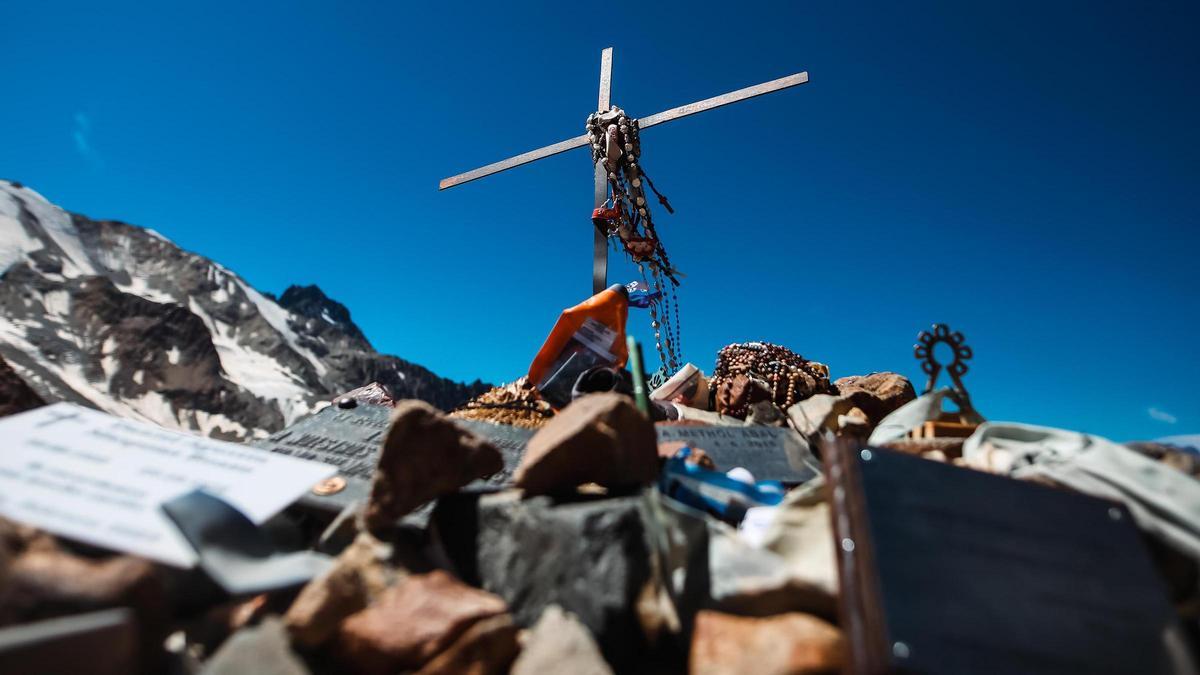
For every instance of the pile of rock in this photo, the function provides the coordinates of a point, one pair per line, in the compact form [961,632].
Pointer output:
[580,563]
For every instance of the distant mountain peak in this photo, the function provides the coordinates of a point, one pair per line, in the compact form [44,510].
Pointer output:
[118,317]
[310,301]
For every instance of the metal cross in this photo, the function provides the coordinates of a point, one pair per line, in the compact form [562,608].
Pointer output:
[600,242]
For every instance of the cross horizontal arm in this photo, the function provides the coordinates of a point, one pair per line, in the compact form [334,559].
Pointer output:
[525,158]
[723,99]
[643,123]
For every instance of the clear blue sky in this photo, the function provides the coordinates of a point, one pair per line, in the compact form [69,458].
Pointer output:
[1027,172]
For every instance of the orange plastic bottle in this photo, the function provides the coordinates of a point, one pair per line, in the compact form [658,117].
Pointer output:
[589,334]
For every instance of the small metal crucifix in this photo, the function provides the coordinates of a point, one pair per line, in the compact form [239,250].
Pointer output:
[600,242]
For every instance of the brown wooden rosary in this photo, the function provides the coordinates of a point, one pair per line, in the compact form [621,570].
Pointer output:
[750,372]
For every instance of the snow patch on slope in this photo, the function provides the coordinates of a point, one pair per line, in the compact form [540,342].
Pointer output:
[15,242]
[278,318]
[140,287]
[55,223]
[256,372]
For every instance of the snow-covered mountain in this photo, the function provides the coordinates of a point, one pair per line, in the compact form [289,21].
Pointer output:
[119,318]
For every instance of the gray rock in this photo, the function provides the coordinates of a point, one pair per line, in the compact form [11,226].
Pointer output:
[710,565]
[818,413]
[795,569]
[263,649]
[590,557]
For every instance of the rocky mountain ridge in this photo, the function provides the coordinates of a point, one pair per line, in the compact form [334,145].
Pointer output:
[118,317]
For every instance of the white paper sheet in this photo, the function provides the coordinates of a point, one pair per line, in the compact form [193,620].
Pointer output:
[87,475]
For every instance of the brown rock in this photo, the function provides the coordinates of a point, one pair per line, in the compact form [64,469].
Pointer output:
[360,574]
[15,395]
[17,538]
[600,438]
[487,648]
[855,423]
[425,455]
[44,583]
[792,644]
[739,392]
[47,583]
[878,394]
[412,622]
[559,643]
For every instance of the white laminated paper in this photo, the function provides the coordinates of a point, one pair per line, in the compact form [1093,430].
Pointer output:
[90,476]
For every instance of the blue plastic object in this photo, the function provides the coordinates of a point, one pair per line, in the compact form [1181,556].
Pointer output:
[714,492]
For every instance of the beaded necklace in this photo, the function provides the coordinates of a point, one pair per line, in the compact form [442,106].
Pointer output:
[787,376]
[616,143]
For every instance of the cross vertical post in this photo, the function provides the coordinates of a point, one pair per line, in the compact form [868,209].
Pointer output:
[600,239]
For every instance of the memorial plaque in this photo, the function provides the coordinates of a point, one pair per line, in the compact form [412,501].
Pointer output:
[352,438]
[950,570]
[770,453]
[348,438]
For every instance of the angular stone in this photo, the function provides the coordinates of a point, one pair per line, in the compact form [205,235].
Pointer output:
[789,567]
[559,643]
[600,438]
[766,413]
[412,622]
[487,648]
[360,574]
[818,413]
[794,568]
[855,423]
[878,394]
[784,644]
[263,649]
[425,455]
[590,557]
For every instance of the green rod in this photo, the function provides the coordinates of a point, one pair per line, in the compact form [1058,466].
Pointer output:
[640,395]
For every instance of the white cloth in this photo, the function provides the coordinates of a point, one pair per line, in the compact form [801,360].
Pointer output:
[1164,501]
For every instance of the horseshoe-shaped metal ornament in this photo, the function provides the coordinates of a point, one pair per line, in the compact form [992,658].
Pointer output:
[924,352]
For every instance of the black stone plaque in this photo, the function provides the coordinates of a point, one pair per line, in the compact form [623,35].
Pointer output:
[348,438]
[951,570]
[770,453]
[352,438]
